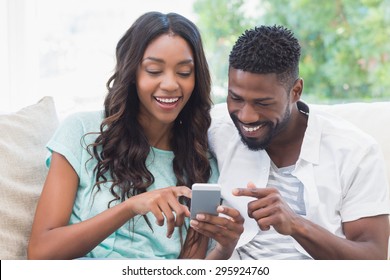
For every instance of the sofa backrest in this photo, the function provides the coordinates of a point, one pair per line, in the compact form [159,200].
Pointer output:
[372,118]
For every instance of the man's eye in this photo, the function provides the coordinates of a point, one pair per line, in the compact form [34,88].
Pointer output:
[235,98]
[262,104]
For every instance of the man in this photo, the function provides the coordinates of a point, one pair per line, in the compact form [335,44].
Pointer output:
[310,185]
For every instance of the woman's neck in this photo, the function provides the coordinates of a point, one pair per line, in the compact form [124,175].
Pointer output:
[159,136]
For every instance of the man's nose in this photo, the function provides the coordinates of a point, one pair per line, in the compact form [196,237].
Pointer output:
[247,114]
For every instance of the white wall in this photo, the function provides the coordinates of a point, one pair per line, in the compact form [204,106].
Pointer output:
[18,49]
[65,48]
[4,74]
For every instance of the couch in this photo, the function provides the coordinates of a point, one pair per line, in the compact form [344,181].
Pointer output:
[23,135]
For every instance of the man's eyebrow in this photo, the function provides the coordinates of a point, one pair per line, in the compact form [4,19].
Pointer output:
[264,99]
[232,93]
[256,99]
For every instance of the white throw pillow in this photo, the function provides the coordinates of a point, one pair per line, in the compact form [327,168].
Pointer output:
[23,136]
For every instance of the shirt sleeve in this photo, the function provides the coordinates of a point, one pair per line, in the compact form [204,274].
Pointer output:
[368,191]
[68,141]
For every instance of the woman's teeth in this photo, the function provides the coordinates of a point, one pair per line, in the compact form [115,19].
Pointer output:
[167,100]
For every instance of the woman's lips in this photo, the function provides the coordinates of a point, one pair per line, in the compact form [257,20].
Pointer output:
[167,102]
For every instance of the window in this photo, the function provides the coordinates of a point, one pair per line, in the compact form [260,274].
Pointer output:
[65,49]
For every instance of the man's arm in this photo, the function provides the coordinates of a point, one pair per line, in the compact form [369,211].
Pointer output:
[366,238]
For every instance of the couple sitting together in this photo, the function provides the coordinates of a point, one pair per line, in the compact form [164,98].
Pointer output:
[295,183]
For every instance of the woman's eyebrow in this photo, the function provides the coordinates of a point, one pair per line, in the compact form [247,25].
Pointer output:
[159,60]
[153,58]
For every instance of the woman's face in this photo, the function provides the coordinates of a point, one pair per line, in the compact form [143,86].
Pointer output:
[165,80]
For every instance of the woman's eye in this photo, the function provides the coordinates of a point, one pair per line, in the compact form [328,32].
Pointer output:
[184,74]
[153,72]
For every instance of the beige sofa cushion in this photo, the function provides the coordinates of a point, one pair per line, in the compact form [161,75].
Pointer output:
[23,136]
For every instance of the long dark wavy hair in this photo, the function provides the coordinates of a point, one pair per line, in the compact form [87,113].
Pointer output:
[121,147]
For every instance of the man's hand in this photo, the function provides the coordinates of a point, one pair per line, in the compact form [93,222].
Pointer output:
[269,209]
[226,230]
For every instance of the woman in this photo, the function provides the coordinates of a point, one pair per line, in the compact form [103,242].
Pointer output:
[119,181]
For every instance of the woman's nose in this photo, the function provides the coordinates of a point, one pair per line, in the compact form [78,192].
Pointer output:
[169,82]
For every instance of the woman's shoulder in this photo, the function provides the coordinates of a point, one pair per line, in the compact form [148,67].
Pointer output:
[89,121]
[85,116]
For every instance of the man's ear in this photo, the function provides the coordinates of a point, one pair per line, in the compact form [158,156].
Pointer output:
[296,90]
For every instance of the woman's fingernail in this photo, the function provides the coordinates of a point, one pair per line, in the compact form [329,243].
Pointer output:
[200,217]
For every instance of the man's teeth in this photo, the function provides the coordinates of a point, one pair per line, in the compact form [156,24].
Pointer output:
[167,100]
[251,129]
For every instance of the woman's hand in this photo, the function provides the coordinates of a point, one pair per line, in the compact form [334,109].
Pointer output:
[163,204]
[225,230]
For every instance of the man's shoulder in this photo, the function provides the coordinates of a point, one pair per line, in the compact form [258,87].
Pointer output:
[220,116]
[221,123]
[336,128]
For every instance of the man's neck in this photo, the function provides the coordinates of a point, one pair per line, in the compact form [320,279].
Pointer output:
[285,149]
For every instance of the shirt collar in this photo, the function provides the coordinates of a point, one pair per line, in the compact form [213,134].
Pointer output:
[310,150]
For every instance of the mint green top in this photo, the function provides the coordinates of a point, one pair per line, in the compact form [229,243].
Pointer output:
[134,239]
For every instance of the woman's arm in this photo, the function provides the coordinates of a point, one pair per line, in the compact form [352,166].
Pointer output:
[53,238]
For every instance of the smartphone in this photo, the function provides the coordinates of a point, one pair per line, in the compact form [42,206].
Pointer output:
[205,199]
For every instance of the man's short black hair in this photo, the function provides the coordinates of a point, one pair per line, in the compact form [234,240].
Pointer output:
[266,50]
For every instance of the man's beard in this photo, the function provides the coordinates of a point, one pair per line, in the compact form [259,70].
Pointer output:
[255,144]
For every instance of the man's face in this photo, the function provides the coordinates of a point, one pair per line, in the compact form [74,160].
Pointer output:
[259,107]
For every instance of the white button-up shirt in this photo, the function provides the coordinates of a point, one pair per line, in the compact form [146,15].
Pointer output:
[342,170]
